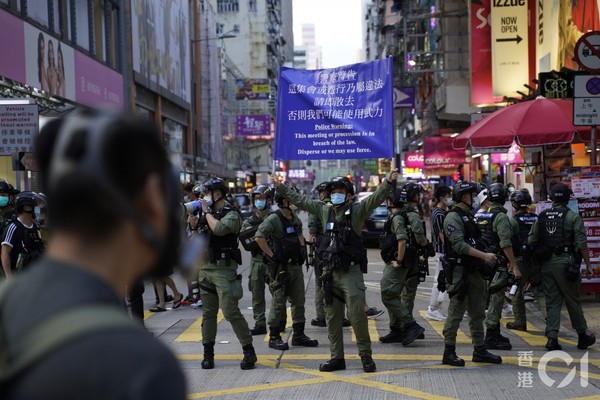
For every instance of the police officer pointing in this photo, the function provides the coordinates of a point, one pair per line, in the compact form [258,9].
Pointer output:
[559,242]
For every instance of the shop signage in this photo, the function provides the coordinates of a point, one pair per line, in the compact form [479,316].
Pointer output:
[404,96]
[556,84]
[510,46]
[512,156]
[297,174]
[253,125]
[586,187]
[587,52]
[19,125]
[439,153]
[252,89]
[414,160]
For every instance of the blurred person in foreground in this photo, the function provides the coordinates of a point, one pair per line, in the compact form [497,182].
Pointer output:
[114,219]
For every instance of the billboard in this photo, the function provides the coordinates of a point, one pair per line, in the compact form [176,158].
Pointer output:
[42,61]
[253,125]
[252,89]
[160,34]
[439,153]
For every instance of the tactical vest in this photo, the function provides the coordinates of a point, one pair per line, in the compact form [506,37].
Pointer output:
[552,232]
[247,235]
[388,242]
[525,221]
[288,247]
[485,222]
[350,247]
[221,246]
[472,235]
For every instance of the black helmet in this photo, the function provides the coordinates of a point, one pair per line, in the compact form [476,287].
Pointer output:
[262,190]
[561,193]
[280,197]
[395,197]
[521,198]
[216,184]
[26,199]
[341,182]
[408,192]
[462,188]
[6,187]
[323,187]
[199,189]
[497,193]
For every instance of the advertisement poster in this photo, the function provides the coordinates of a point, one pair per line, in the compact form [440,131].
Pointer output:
[252,89]
[253,125]
[439,153]
[337,113]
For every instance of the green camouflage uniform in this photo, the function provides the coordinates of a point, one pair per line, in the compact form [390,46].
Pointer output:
[412,282]
[315,228]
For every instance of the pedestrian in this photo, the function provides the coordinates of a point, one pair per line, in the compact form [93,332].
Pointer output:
[280,238]
[399,252]
[220,284]
[466,286]
[498,233]
[114,219]
[345,261]
[443,202]
[531,276]
[559,243]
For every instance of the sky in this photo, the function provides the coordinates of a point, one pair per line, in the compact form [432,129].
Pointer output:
[338,28]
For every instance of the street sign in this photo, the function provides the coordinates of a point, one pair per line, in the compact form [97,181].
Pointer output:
[586,111]
[404,97]
[587,52]
[587,86]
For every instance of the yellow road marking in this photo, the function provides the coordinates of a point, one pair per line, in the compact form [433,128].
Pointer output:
[268,386]
[372,326]
[531,339]
[438,326]
[147,314]
[194,332]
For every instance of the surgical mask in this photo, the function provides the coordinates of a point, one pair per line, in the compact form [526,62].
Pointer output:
[475,203]
[338,198]
[3,201]
[208,200]
[260,204]
[511,189]
[449,202]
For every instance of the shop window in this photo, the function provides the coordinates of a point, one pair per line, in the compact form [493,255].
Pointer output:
[253,5]
[39,13]
[82,24]
[99,30]
[228,6]
[173,136]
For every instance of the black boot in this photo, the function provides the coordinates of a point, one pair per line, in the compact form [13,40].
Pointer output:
[412,332]
[585,340]
[368,364]
[318,322]
[249,359]
[335,364]
[300,339]
[258,330]
[346,323]
[275,341]
[552,344]
[450,357]
[396,335]
[516,327]
[480,354]
[493,340]
[209,356]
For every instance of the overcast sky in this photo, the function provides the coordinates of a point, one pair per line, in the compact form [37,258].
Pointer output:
[338,28]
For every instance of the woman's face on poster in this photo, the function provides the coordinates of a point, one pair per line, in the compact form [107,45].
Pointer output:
[60,60]
[41,48]
[50,53]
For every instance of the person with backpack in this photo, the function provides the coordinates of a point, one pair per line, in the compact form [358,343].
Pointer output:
[280,238]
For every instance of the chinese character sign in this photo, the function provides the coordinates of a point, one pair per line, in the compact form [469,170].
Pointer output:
[253,125]
[337,113]
[18,126]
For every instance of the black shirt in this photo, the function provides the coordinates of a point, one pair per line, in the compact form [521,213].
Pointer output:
[437,226]
[19,236]
[112,364]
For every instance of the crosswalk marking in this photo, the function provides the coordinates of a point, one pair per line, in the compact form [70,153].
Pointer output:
[438,326]
[194,332]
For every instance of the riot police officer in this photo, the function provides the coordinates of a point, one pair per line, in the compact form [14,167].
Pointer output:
[262,196]
[285,254]
[398,246]
[220,285]
[466,287]
[523,220]
[344,263]
[497,232]
[558,241]
[315,231]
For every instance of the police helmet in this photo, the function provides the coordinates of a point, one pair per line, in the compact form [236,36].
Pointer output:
[26,199]
[482,195]
[521,198]
[278,198]
[409,191]
[497,193]
[463,188]
[216,184]
[199,190]
[5,187]
[395,198]
[323,187]
[341,182]
[560,193]
[262,190]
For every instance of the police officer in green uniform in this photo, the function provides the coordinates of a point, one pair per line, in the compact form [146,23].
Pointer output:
[464,253]
[497,231]
[220,285]
[344,258]
[399,252]
[558,241]
[315,231]
[531,274]
[285,254]
[262,195]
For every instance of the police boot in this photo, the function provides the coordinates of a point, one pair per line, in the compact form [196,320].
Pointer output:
[396,335]
[258,330]
[249,359]
[300,339]
[493,340]
[480,354]
[368,364]
[516,327]
[319,322]
[552,344]
[335,364]
[275,341]
[585,340]
[450,357]
[412,332]
[209,356]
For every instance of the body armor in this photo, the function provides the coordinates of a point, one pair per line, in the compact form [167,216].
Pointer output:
[222,247]
[247,235]
[485,222]
[388,244]
[342,242]
[473,238]
[525,222]
[552,234]
[288,247]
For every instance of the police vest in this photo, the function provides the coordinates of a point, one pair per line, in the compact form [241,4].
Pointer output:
[247,235]
[349,245]
[288,247]
[225,243]
[485,222]
[525,221]
[552,233]
[472,234]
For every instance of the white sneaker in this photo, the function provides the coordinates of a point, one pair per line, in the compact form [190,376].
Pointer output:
[507,312]
[434,315]
[197,304]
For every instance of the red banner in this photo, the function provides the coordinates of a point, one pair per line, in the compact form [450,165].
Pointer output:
[414,160]
[439,153]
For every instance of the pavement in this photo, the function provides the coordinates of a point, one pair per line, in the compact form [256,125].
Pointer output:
[528,371]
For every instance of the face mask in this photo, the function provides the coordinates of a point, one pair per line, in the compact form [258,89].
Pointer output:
[208,200]
[260,204]
[3,201]
[511,189]
[475,203]
[449,202]
[337,199]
